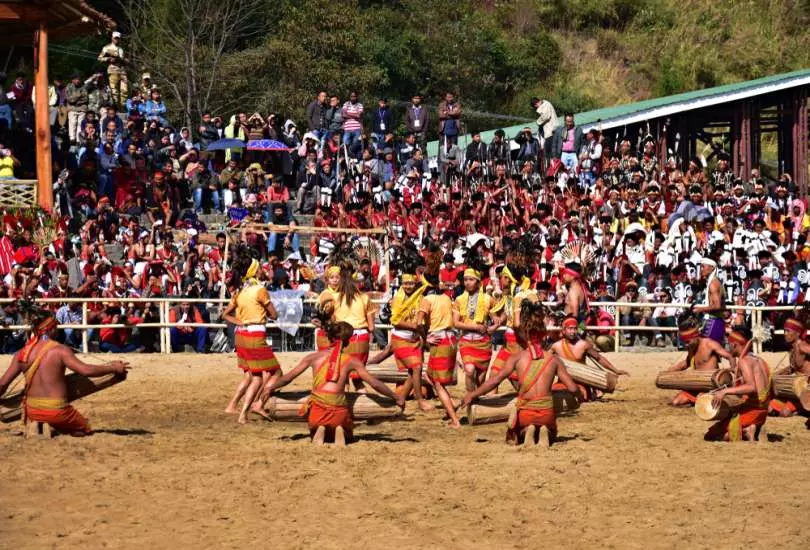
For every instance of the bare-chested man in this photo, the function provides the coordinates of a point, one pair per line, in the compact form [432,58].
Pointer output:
[43,361]
[799,364]
[701,354]
[534,420]
[754,383]
[713,306]
[329,415]
[574,348]
[576,299]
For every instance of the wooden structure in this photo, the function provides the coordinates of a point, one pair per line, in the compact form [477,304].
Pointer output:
[42,20]
[694,380]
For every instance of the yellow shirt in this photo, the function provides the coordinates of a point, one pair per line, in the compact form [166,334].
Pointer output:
[328,294]
[439,309]
[463,311]
[397,301]
[250,304]
[356,314]
[6,167]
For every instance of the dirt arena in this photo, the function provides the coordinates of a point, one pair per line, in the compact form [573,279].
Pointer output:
[168,468]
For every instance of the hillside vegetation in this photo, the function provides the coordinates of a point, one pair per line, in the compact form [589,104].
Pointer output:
[580,54]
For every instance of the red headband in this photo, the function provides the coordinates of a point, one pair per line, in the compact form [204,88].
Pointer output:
[570,323]
[45,326]
[571,272]
[737,338]
[794,325]
[689,334]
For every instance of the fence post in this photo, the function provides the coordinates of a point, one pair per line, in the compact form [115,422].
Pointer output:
[85,331]
[617,323]
[757,328]
[164,318]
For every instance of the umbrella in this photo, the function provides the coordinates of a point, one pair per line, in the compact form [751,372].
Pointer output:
[266,145]
[222,144]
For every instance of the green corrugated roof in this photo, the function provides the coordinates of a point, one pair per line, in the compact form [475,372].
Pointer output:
[607,114]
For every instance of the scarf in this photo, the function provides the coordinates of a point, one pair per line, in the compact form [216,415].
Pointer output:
[407,304]
[523,284]
[464,303]
[43,328]
[252,271]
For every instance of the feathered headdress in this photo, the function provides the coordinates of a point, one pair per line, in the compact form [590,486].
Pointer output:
[579,252]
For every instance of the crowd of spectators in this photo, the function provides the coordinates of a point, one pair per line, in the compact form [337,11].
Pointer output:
[128,179]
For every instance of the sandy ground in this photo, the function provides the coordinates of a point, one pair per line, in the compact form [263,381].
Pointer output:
[168,468]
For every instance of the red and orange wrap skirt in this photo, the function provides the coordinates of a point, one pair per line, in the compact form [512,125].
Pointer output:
[357,349]
[748,415]
[476,351]
[407,350]
[528,415]
[328,410]
[58,414]
[322,340]
[252,352]
[505,352]
[442,362]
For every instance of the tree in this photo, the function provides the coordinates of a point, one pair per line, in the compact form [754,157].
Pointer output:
[191,46]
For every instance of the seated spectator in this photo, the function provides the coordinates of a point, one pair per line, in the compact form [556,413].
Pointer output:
[117,340]
[182,335]
[71,314]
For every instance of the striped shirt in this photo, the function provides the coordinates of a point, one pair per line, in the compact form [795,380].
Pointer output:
[352,116]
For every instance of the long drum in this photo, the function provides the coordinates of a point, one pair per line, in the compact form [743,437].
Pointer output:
[591,375]
[490,409]
[694,380]
[388,373]
[789,386]
[78,386]
[284,407]
[706,410]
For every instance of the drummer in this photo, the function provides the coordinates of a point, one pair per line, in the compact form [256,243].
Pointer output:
[754,384]
[799,364]
[573,348]
[701,354]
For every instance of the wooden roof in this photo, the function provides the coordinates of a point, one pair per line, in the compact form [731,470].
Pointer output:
[65,18]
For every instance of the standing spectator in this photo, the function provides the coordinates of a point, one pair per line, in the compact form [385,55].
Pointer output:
[316,115]
[567,142]
[155,108]
[77,101]
[333,118]
[183,335]
[113,55]
[417,119]
[208,132]
[21,100]
[546,122]
[449,119]
[352,120]
[383,122]
[8,162]
[529,147]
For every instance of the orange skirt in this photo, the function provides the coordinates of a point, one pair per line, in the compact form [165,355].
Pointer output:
[442,362]
[503,355]
[733,426]
[330,417]
[253,354]
[776,406]
[407,353]
[532,417]
[321,340]
[475,352]
[357,349]
[67,420]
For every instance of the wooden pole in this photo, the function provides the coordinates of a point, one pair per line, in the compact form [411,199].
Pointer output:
[387,263]
[85,334]
[42,121]
[222,288]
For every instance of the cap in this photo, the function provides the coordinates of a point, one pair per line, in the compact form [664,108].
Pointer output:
[116,34]
[146,76]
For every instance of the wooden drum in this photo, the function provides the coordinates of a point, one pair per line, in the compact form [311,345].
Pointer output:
[694,380]
[490,409]
[284,407]
[388,373]
[706,410]
[789,386]
[591,375]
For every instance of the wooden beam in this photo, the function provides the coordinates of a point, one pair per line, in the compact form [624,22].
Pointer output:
[21,12]
[42,121]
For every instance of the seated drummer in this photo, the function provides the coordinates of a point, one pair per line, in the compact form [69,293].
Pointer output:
[701,354]
[43,361]
[795,335]
[327,409]
[754,384]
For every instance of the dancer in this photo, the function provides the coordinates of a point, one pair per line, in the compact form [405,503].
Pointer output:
[471,315]
[534,420]
[436,312]
[754,384]
[714,303]
[250,309]
[330,293]
[516,287]
[43,361]
[407,338]
[328,413]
